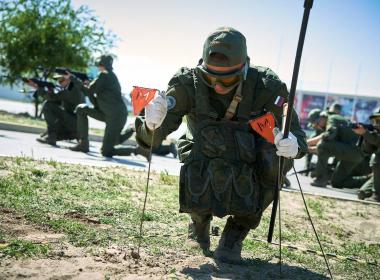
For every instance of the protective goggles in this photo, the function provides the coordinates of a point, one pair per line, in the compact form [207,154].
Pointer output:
[227,80]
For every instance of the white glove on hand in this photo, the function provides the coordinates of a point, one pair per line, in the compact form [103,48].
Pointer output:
[287,147]
[155,112]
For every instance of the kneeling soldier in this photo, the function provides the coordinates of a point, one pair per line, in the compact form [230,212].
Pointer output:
[228,169]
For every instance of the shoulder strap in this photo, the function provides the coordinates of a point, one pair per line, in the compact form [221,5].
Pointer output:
[234,103]
[244,95]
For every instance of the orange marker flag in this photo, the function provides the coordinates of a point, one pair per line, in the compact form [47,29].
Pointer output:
[141,97]
[264,126]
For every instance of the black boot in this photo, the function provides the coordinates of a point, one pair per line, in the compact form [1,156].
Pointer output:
[50,138]
[126,135]
[199,236]
[364,194]
[231,242]
[144,152]
[320,182]
[374,198]
[173,150]
[82,146]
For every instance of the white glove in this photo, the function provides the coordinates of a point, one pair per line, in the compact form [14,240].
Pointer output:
[287,147]
[155,112]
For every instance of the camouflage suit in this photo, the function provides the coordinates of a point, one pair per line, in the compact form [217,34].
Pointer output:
[59,110]
[109,107]
[227,169]
[339,141]
[371,145]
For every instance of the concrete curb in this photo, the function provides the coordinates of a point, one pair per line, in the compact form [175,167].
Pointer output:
[36,130]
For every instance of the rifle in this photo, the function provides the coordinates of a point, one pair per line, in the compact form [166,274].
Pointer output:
[369,127]
[40,83]
[80,75]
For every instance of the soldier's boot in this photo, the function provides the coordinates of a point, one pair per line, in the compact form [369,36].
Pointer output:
[364,194]
[374,198]
[231,242]
[144,152]
[67,136]
[50,138]
[82,146]
[43,134]
[320,181]
[126,135]
[173,150]
[199,236]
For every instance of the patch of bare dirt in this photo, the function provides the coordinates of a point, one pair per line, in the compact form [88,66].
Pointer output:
[80,217]
[14,225]
[66,261]
[356,221]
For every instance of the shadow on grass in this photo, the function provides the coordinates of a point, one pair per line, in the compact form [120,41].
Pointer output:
[250,269]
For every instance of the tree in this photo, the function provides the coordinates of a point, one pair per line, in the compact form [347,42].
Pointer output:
[48,33]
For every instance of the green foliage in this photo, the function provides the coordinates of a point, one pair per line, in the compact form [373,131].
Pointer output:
[22,248]
[316,206]
[48,33]
[167,179]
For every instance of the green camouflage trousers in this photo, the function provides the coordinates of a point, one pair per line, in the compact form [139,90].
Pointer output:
[348,156]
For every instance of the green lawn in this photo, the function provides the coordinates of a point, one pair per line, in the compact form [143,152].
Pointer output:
[98,207]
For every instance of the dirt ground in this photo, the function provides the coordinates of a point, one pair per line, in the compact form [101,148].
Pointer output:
[66,261]
[69,262]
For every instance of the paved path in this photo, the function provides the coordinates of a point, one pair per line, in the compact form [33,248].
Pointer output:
[17,107]
[24,144]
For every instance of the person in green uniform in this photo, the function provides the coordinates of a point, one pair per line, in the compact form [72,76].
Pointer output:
[59,109]
[228,170]
[371,145]
[317,120]
[338,141]
[109,107]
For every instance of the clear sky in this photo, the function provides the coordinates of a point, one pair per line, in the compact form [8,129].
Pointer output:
[341,52]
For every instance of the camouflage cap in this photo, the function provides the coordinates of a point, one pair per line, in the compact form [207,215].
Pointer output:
[228,42]
[106,61]
[375,114]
